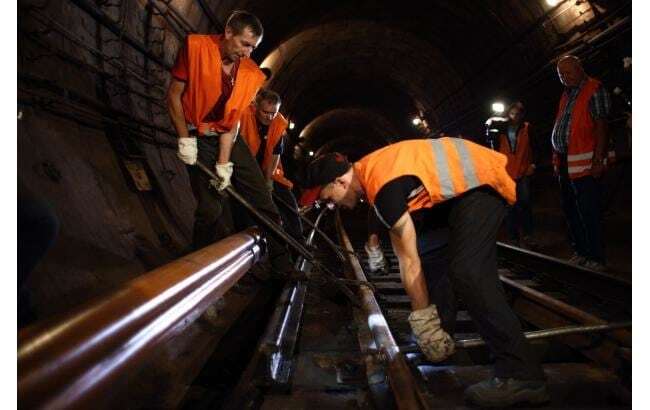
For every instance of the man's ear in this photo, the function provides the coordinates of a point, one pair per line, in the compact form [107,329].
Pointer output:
[228,32]
[342,181]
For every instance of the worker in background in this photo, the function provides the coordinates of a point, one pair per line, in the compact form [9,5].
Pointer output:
[465,186]
[263,129]
[376,260]
[213,82]
[515,144]
[579,141]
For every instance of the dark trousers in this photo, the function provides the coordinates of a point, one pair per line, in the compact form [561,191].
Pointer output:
[474,220]
[581,202]
[520,215]
[213,216]
[284,199]
[433,250]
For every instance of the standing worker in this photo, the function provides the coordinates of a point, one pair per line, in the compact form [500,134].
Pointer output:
[470,185]
[579,141]
[213,82]
[515,144]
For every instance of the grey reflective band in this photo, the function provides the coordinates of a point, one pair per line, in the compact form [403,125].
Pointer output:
[442,167]
[467,164]
[382,220]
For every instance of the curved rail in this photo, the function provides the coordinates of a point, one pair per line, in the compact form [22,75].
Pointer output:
[405,389]
[74,359]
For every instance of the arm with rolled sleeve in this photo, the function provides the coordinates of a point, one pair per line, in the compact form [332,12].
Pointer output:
[599,108]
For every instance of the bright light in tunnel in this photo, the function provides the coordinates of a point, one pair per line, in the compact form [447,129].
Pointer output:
[552,3]
[498,107]
[292,125]
[416,121]
[311,153]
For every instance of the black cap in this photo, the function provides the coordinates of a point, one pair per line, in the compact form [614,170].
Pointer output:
[326,168]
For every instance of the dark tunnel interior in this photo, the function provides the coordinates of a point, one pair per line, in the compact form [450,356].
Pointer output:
[96,143]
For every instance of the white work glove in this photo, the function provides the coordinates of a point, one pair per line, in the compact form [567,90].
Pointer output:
[376,260]
[435,343]
[269,185]
[224,172]
[187,150]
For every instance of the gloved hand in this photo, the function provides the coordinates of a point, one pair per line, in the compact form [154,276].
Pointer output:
[224,171]
[376,260]
[435,343]
[269,185]
[187,150]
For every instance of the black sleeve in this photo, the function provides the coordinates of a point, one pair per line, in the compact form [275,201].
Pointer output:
[391,200]
[375,226]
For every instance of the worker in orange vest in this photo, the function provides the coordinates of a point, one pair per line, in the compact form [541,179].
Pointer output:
[263,129]
[213,82]
[515,144]
[466,186]
[580,142]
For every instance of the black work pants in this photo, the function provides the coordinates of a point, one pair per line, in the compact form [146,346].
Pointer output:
[213,216]
[474,220]
[581,202]
[286,203]
[521,213]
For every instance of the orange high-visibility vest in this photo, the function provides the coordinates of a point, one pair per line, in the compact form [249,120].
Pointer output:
[582,140]
[203,71]
[518,161]
[250,133]
[447,167]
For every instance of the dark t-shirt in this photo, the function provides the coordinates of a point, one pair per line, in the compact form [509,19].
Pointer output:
[392,201]
[263,131]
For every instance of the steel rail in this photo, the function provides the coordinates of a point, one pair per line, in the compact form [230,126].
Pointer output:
[535,334]
[77,358]
[600,284]
[403,385]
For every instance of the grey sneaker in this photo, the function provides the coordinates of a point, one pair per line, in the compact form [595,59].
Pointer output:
[577,260]
[595,266]
[496,392]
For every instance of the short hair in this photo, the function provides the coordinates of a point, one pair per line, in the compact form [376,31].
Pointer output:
[268,95]
[517,103]
[570,57]
[239,20]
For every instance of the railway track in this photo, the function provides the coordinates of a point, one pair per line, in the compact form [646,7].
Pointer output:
[587,369]
[335,355]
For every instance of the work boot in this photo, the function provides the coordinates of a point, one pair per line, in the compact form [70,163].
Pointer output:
[594,265]
[498,392]
[577,260]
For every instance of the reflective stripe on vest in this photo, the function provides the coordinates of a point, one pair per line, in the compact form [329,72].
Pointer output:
[447,167]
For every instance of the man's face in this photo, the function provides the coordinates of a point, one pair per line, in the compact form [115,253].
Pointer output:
[515,114]
[570,72]
[266,111]
[340,193]
[240,45]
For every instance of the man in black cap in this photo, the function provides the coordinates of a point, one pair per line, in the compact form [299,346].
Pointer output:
[416,186]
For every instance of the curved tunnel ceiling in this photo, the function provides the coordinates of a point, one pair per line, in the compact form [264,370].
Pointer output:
[442,60]
[360,63]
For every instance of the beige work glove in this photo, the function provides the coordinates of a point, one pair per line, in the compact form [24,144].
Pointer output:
[376,259]
[187,150]
[435,343]
[224,172]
